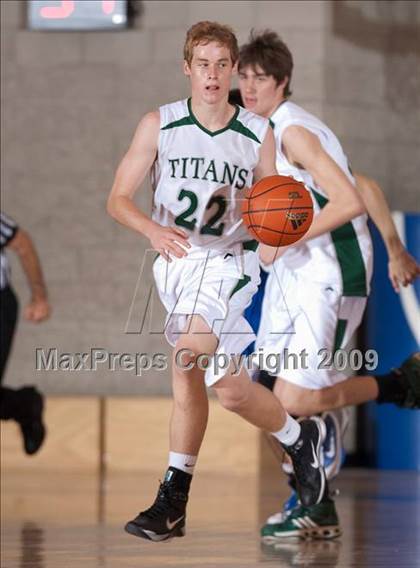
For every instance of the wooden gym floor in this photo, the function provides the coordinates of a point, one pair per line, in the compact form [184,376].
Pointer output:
[100,465]
[69,520]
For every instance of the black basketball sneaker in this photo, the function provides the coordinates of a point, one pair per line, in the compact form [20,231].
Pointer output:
[30,418]
[408,375]
[165,519]
[401,386]
[305,454]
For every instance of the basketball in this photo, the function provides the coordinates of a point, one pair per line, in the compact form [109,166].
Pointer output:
[278,210]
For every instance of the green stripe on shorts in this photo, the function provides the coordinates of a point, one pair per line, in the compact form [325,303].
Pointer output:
[240,284]
[339,334]
[349,255]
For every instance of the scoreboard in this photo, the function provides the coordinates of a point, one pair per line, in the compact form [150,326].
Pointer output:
[77,14]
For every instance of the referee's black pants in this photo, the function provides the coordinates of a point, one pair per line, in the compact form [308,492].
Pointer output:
[10,403]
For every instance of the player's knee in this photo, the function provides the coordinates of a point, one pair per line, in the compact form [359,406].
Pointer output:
[233,402]
[233,399]
[188,356]
[185,358]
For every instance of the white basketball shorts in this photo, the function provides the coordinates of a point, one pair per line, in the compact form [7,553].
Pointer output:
[305,317]
[218,286]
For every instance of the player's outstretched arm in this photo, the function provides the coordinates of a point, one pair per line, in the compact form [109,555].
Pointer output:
[267,163]
[267,167]
[303,149]
[402,267]
[130,175]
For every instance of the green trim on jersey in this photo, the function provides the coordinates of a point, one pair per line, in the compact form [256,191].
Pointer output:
[240,284]
[250,245]
[349,255]
[237,126]
[271,123]
[203,128]
[233,124]
[185,121]
[339,334]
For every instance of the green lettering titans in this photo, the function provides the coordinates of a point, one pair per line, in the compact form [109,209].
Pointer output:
[208,170]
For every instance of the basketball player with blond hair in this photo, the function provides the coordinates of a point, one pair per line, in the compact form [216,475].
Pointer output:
[202,153]
[316,290]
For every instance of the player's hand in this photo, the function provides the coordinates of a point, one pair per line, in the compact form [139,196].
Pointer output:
[402,269]
[37,310]
[169,240]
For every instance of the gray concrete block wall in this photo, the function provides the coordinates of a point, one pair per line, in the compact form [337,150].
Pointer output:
[372,93]
[70,104]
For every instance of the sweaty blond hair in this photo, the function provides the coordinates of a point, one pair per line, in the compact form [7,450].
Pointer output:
[205,32]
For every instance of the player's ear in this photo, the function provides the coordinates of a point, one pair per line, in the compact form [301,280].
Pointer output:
[235,69]
[283,84]
[187,68]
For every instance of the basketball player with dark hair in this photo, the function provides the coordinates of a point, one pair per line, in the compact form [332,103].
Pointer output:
[317,289]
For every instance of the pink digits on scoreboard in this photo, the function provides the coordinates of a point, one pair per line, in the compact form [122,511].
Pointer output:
[58,12]
[67,8]
[108,6]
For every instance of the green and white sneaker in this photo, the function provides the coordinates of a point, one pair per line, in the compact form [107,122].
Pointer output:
[288,506]
[317,521]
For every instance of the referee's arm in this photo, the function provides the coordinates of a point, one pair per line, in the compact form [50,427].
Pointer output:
[38,308]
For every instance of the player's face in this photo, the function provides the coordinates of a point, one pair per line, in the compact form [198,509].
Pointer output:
[260,92]
[210,71]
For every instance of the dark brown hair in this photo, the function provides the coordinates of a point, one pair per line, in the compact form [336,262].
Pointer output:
[267,50]
[205,32]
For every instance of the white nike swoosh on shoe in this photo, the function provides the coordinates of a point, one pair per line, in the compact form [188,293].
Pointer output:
[315,463]
[331,452]
[170,525]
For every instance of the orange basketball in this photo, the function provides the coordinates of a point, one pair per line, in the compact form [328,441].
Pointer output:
[278,210]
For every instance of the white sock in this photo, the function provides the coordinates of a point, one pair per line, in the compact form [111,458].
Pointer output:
[289,433]
[184,462]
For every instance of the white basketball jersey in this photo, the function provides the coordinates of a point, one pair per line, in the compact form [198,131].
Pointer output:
[344,256]
[199,176]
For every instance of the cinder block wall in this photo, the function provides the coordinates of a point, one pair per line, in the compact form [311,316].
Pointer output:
[70,104]
[372,92]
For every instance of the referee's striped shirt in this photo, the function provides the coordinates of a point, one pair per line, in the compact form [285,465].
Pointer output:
[8,229]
